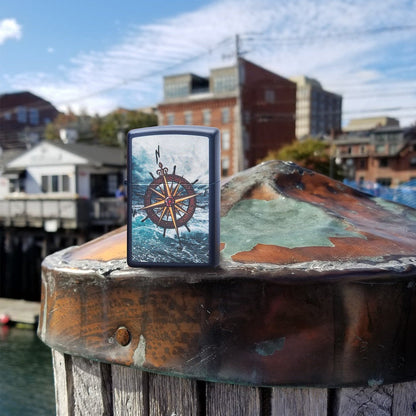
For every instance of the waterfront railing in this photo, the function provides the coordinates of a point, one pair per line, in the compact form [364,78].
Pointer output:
[63,212]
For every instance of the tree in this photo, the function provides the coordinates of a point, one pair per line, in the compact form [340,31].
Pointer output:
[105,130]
[62,120]
[108,128]
[310,153]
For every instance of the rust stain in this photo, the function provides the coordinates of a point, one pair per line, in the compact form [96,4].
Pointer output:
[345,248]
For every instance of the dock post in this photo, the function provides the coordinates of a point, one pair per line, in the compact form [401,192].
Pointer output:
[312,311]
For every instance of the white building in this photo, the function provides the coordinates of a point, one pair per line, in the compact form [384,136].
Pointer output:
[72,169]
[69,183]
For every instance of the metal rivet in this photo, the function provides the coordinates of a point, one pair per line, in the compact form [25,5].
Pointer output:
[123,336]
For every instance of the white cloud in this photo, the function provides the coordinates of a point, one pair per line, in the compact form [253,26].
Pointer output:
[331,41]
[9,29]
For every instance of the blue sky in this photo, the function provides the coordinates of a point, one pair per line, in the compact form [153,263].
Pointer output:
[99,56]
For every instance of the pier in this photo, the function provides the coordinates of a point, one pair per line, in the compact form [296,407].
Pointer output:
[20,311]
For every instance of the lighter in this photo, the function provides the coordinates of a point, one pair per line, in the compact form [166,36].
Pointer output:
[173,196]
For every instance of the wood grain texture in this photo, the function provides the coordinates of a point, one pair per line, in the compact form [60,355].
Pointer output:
[228,399]
[92,388]
[287,401]
[172,396]
[130,391]
[404,399]
[368,401]
[85,387]
[63,383]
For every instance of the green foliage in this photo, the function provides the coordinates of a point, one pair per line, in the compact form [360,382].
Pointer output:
[108,128]
[63,120]
[310,153]
[105,130]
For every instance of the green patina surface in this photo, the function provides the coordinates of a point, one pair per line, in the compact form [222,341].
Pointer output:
[279,222]
[396,208]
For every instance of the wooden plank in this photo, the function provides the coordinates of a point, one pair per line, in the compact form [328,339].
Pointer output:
[404,399]
[368,401]
[63,383]
[236,400]
[92,387]
[288,401]
[172,396]
[130,391]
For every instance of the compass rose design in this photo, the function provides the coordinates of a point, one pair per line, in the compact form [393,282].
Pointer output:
[169,200]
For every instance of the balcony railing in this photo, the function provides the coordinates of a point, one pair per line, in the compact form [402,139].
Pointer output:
[53,213]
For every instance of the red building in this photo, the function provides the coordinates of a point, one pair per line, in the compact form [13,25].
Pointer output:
[385,155]
[23,118]
[253,107]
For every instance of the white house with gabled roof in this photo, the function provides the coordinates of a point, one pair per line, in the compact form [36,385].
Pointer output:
[86,171]
[56,180]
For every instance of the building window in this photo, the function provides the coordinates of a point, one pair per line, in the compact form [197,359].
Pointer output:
[225,115]
[225,166]
[21,114]
[113,183]
[65,183]
[170,118]
[393,148]
[55,183]
[226,141]
[206,117]
[380,148]
[225,83]
[413,161]
[188,117]
[176,89]
[34,116]
[384,181]
[269,96]
[383,162]
[45,183]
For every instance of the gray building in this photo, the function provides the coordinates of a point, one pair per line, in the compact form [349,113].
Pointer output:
[317,111]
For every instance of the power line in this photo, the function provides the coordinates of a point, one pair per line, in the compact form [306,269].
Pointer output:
[260,37]
[127,81]
[255,37]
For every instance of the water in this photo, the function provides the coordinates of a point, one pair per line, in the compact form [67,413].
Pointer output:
[26,376]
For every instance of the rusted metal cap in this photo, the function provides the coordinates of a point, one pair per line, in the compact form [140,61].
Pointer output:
[316,287]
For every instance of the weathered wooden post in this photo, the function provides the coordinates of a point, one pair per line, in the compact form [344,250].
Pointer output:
[311,312]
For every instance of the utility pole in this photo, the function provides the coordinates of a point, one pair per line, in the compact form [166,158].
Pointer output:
[239,126]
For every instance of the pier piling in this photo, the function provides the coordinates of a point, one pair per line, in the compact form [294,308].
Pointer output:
[312,311]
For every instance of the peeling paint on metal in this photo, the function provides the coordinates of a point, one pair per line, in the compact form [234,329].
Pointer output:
[395,208]
[139,356]
[279,222]
[269,347]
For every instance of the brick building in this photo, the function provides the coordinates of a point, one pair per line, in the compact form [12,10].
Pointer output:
[385,155]
[23,118]
[253,107]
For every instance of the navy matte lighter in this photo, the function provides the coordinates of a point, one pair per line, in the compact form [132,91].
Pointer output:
[173,196]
